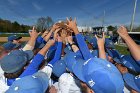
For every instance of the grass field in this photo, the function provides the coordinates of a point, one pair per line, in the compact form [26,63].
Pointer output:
[122,49]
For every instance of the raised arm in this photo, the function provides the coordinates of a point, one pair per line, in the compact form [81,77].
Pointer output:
[101,42]
[37,60]
[58,51]
[133,47]
[31,43]
[47,37]
[80,39]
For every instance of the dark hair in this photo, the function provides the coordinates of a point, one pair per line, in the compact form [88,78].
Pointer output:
[44,62]
[14,75]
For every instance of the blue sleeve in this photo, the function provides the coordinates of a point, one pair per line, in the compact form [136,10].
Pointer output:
[78,54]
[83,47]
[57,54]
[40,40]
[33,66]
[138,62]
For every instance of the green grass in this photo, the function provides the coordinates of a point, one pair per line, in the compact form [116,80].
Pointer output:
[122,49]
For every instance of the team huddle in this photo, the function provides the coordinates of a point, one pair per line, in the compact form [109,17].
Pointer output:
[63,60]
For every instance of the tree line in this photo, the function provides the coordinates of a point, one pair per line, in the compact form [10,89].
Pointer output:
[8,26]
[42,24]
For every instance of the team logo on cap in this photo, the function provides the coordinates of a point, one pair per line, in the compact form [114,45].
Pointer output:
[137,77]
[124,62]
[91,83]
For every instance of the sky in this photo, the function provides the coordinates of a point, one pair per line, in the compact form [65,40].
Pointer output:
[87,12]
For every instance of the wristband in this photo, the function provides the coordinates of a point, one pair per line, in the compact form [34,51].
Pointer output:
[72,44]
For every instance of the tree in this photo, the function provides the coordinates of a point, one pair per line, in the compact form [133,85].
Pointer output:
[44,23]
[8,26]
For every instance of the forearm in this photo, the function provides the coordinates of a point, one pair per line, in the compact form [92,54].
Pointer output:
[133,47]
[46,38]
[83,47]
[57,53]
[33,66]
[102,53]
[30,45]
[44,50]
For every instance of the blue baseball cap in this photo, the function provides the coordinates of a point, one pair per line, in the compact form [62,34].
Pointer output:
[59,68]
[93,41]
[14,37]
[37,83]
[10,46]
[100,75]
[129,62]
[15,60]
[115,55]
[69,59]
[132,81]
[109,43]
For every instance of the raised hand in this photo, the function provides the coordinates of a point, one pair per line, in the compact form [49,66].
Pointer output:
[100,41]
[73,25]
[56,33]
[63,35]
[122,31]
[59,39]
[34,34]
[45,33]
[54,27]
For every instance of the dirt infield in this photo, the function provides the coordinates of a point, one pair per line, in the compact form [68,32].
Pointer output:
[4,39]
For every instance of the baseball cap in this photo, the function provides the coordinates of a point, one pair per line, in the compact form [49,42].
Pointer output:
[14,37]
[129,62]
[15,60]
[59,68]
[132,81]
[93,41]
[100,75]
[70,59]
[109,43]
[37,83]
[115,55]
[10,46]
